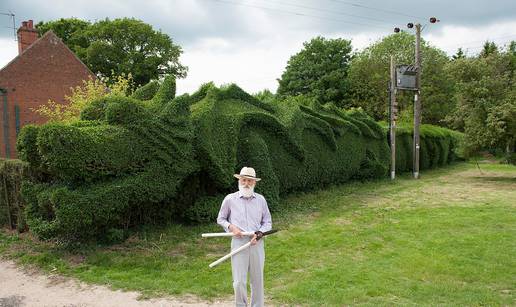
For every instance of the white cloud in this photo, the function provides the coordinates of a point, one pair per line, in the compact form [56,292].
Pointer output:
[8,50]
[252,66]
[471,39]
[228,43]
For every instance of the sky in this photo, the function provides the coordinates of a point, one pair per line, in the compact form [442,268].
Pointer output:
[249,42]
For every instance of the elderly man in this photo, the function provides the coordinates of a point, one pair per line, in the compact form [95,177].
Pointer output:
[246,211]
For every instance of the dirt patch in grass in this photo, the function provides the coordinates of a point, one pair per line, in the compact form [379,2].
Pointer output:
[17,288]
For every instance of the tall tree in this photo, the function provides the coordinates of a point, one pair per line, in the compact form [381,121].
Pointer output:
[459,55]
[69,30]
[486,100]
[319,70]
[369,77]
[120,47]
[488,49]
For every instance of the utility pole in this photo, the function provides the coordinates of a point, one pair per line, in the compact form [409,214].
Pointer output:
[417,103]
[417,97]
[392,120]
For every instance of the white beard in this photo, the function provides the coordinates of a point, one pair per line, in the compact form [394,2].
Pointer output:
[247,192]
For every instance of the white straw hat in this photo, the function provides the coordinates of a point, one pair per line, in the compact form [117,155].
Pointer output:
[247,172]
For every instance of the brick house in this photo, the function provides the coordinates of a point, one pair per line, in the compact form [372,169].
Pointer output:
[45,69]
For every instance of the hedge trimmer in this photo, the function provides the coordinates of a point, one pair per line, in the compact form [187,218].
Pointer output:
[259,235]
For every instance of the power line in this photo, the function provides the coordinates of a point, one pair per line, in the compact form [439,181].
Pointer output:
[327,11]
[478,41]
[378,9]
[296,13]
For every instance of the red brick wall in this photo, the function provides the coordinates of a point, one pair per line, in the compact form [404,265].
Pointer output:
[47,70]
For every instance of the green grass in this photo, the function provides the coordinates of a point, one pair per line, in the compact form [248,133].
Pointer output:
[446,239]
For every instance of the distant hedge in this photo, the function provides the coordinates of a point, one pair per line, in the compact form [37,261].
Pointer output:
[438,147]
[157,157]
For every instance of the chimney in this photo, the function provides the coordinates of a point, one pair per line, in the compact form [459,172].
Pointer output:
[26,35]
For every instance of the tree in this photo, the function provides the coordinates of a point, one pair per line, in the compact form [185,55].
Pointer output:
[459,55]
[120,47]
[70,31]
[319,70]
[511,54]
[369,77]
[488,49]
[486,100]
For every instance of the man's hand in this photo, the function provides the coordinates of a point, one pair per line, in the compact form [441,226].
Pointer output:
[257,236]
[235,230]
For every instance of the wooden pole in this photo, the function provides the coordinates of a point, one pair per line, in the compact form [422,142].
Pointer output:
[417,103]
[393,110]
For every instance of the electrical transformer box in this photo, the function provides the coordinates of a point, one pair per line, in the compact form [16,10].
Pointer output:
[406,77]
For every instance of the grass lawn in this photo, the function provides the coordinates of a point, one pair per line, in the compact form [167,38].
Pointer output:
[446,239]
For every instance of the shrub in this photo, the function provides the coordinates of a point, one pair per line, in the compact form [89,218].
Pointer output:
[130,162]
[11,203]
[510,158]
[166,92]
[147,91]
[204,210]
[439,146]
[82,95]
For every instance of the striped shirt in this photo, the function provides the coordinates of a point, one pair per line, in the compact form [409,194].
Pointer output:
[249,214]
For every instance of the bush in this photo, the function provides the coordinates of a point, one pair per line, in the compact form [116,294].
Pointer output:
[11,203]
[439,146]
[27,148]
[147,91]
[511,158]
[204,210]
[88,153]
[131,162]
[166,92]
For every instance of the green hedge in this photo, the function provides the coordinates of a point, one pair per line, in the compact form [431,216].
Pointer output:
[11,203]
[155,158]
[439,146]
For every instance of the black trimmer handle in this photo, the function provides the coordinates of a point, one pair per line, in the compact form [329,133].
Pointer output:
[260,234]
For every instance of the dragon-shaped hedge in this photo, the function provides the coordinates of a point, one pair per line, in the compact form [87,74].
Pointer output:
[153,156]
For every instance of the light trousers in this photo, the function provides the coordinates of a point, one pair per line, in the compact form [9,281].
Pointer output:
[250,260]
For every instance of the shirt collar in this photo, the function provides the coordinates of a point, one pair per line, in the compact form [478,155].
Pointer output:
[240,195]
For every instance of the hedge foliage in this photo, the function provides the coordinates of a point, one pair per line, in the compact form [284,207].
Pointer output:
[155,156]
[439,146]
[11,204]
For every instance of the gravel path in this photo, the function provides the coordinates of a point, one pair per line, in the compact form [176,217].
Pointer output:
[22,288]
